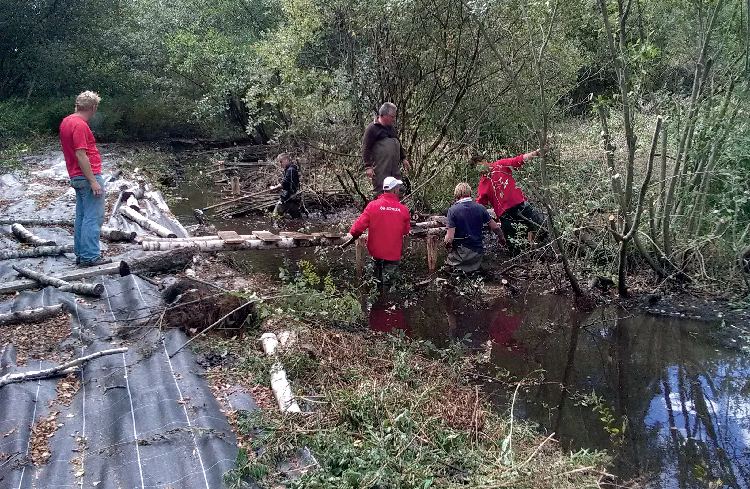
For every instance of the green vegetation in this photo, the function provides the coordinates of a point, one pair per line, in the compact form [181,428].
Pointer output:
[391,412]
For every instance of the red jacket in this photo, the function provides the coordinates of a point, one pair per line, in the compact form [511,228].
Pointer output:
[389,221]
[499,188]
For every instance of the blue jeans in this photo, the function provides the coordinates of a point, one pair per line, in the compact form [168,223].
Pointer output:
[89,219]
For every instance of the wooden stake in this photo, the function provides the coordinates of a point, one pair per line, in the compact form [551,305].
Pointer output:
[235,183]
[432,252]
[361,252]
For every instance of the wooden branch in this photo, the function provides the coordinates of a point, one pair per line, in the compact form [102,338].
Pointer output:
[26,236]
[62,369]
[32,315]
[38,251]
[146,223]
[238,199]
[38,222]
[77,287]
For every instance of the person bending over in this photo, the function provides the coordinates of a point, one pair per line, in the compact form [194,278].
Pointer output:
[498,188]
[289,201]
[463,238]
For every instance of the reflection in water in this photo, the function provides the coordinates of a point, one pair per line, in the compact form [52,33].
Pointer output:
[685,400]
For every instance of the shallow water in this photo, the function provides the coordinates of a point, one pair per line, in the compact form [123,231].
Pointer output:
[683,399]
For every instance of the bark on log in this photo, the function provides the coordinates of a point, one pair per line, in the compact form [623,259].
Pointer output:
[77,287]
[32,315]
[112,234]
[146,223]
[132,202]
[249,244]
[120,268]
[38,251]
[26,236]
[174,259]
[38,222]
[62,369]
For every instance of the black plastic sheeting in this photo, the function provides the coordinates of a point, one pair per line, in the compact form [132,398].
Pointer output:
[139,419]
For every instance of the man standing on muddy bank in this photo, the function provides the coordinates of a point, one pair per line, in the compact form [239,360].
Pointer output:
[84,166]
[463,237]
[381,149]
[388,221]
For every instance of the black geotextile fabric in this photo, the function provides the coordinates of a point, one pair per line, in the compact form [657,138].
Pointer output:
[139,419]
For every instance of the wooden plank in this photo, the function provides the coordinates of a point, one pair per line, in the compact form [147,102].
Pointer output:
[333,235]
[266,236]
[296,235]
[230,237]
[68,275]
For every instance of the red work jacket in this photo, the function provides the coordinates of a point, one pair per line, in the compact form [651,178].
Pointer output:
[498,187]
[388,221]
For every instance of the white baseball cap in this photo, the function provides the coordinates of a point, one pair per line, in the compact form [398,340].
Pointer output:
[390,183]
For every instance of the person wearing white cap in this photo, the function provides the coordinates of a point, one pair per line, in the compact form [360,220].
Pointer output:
[388,221]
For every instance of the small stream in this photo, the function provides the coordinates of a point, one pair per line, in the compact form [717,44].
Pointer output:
[682,398]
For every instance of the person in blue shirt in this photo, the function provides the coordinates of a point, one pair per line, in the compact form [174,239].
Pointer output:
[463,238]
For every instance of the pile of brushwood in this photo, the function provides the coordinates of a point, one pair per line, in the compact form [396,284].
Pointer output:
[385,411]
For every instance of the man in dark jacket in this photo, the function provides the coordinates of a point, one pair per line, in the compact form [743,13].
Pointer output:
[289,201]
[463,236]
[388,221]
[381,149]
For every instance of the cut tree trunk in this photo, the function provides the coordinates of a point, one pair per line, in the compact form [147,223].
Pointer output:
[26,236]
[248,244]
[146,223]
[62,369]
[112,234]
[62,285]
[175,259]
[38,251]
[32,315]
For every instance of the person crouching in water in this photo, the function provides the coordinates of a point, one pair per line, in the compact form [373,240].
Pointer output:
[388,221]
[463,237]
[289,200]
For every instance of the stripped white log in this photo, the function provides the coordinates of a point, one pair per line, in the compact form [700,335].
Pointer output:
[248,244]
[132,202]
[38,251]
[26,236]
[32,315]
[62,369]
[62,285]
[120,268]
[113,234]
[279,383]
[146,223]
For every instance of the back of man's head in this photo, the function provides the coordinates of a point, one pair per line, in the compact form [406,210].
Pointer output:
[462,191]
[87,100]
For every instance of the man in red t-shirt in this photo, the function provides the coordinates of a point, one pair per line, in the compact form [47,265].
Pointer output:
[388,221]
[498,188]
[84,168]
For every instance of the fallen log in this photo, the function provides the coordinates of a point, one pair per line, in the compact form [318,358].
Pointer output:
[26,236]
[132,202]
[120,268]
[38,251]
[146,223]
[32,315]
[38,222]
[137,192]
[62,285]
[173,259]
[62,369]
[112,234]
[248,244]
